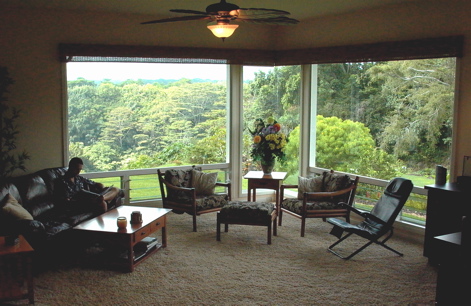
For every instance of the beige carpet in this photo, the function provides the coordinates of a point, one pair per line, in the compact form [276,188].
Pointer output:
[242,269]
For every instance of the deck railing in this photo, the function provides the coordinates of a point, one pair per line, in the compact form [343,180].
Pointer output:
[143,186]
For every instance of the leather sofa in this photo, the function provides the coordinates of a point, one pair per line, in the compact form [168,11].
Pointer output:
[50,221]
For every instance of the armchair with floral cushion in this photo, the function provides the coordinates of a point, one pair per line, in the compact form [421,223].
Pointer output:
[192,191]
[319,197]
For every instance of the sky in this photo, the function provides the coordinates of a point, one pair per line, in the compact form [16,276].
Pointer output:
[125,71]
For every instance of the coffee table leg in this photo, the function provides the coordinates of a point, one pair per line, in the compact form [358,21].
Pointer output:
[130,257]
[164,236]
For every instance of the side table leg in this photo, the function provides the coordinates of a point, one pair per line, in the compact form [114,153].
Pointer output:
[274,228]
[218,227]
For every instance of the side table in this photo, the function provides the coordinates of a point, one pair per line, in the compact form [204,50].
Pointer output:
[16,278]
[258,180]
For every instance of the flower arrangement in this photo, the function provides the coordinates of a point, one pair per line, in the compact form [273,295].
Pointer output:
[268,142]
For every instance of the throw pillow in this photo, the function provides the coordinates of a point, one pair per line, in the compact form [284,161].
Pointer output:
[309,184]
[336,182]
[204,183]
[13,210]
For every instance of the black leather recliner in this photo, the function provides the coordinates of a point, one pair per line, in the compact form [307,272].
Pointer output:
[378,222]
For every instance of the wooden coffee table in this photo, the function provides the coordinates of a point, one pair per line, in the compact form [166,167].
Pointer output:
[104,228]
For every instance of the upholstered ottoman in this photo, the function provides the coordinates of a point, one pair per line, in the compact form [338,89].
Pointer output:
[247,213]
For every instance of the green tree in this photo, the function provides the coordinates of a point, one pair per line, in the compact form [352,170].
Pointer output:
[86,113]
[118,129]
[420,95]
[292,152]
[348,146]
[100,157]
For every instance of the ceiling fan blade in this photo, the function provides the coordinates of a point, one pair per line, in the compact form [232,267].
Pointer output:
[262,11]
[281,20]
[182,18]
[188,12]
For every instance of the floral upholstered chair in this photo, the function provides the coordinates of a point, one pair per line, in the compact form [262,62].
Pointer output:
[192,191]
[319,197]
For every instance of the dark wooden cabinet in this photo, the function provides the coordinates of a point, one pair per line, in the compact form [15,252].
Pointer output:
[454,271]
[446,206]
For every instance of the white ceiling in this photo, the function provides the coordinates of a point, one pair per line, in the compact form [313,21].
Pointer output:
[299,9]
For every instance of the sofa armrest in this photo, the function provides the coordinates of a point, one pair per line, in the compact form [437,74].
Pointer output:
[33,230]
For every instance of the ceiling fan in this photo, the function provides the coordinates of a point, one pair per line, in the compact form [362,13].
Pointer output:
[221,14]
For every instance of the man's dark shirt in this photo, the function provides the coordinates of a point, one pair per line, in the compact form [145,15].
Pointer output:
[67,190]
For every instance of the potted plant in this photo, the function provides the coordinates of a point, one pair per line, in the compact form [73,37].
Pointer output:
[9,160]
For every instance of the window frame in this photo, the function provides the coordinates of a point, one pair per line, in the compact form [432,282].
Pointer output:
[451,46]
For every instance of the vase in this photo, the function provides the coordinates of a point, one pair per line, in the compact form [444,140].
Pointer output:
[267,166]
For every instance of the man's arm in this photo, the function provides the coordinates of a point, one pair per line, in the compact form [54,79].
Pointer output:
[92,185]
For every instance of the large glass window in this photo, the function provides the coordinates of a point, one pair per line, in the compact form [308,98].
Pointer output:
[384,119]
[145,115]
[273,93]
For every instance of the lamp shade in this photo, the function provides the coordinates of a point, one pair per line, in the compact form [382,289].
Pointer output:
[223,30]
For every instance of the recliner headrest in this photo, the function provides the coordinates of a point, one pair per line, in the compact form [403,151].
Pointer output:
[398,187]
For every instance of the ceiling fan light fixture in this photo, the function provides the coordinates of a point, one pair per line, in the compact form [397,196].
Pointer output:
[222,30]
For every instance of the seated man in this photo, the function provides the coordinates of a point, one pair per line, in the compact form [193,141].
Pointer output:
[79,193]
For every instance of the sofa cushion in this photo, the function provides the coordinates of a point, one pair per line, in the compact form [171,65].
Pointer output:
[54,227]
[50,176]
[204,183]
[312,184]
[34,194]
[12,210]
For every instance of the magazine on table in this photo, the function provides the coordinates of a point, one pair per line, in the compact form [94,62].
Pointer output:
[84,195]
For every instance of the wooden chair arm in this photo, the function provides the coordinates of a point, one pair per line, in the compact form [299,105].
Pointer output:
[287,186]
[282,190]
[310,196]
[319,196]
[351,208]
[182,189]
[228,186]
